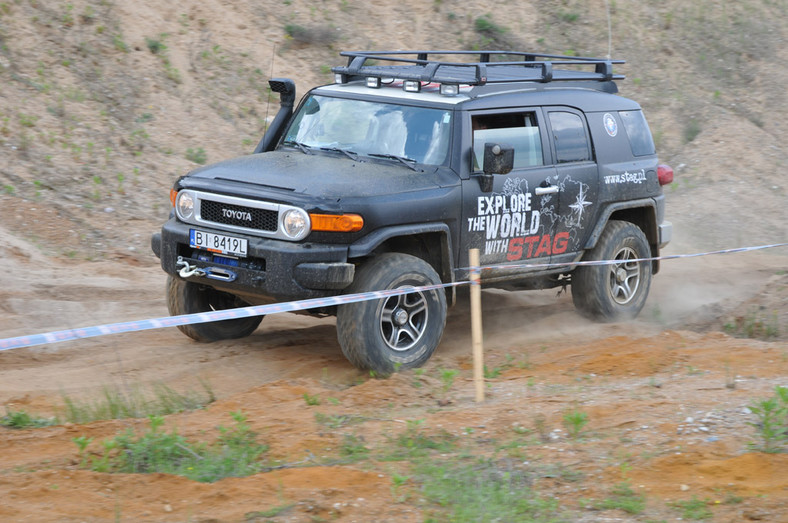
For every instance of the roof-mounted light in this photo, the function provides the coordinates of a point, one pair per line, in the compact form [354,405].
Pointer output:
[411,86]
[340,78]
[450,89]
[373,82]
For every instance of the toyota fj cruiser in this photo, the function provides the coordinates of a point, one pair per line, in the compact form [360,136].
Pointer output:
[386,178]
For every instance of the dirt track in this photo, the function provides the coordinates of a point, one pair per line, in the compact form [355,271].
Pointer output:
[657,396]
[45,296]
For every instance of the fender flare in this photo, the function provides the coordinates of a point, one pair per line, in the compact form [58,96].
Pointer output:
[645,203]
[372,241]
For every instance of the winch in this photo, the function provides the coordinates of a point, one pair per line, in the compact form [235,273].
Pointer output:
[216,273]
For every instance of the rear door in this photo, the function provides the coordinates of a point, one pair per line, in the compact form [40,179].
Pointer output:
[575,182]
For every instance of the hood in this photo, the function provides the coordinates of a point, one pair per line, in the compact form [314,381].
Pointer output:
[324,175]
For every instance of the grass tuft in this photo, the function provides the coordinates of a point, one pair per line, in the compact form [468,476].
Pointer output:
[20,419]
[622,497]
[312,35]
[197,155]
[116,404]
[754,324]
[415,443]
[483,491]
[236,453]
[693,509]
[772,424]
[574,421]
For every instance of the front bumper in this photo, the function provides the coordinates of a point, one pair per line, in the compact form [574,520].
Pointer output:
[274,270]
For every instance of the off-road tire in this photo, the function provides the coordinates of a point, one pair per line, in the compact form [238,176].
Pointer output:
[189,298]
[398,331]
[614,292]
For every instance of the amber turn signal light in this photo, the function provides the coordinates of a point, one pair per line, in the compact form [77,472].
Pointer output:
[173,195]
[336,222]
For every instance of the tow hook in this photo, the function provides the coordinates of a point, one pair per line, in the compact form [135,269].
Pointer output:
[186,270]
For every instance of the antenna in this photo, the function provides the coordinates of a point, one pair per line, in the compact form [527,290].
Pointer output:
[268,98]
[609,31]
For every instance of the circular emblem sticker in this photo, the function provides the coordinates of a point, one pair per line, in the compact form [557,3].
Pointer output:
[610,124]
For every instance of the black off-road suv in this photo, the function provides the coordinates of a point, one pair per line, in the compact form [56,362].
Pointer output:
[386,178]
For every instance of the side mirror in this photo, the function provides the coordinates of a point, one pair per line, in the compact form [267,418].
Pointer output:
[498,159]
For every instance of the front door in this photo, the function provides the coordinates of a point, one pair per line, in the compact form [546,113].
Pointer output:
[512,224]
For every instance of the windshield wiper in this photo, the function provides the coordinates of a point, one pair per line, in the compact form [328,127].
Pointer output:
[350,154]
[302,146]
[404,160]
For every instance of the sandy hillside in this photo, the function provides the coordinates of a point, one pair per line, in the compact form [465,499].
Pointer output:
[104,104]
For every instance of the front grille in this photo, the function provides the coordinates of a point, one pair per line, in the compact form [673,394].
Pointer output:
[229,214]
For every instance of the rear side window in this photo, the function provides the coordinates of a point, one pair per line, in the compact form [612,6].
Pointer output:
[571,140]
[638,132]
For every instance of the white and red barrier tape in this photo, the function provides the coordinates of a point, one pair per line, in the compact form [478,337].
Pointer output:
[260,310]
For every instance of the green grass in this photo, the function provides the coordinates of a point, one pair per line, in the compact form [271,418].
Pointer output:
[156,45]
[117,404]
[335,421]
[691,130]
[491,373]
[569,17]
[311,400]
[296,32]
[484,25]
[693,509]
[21,419]
[159,48]
[27,120]
[496,371]
[312,35]
[447,379]
[622,497]
[754,325]
[236,453]
[197,155]
[353,448]
[574,422]
[119,43]
[483,490]
[415,443]
[772,424]
[270,513]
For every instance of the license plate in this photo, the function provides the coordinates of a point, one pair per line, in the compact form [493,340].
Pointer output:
[218,243]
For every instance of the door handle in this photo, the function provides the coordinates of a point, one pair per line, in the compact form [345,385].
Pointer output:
[550,189]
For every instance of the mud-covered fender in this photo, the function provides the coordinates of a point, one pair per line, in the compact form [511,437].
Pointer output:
[645,209]
[366,245]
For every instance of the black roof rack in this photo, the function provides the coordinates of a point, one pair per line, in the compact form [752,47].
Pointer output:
[491,67]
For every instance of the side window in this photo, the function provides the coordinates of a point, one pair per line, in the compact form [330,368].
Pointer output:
[638,132]
[519,130]
[571,140]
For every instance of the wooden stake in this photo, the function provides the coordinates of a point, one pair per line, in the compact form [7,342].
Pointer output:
[476,325]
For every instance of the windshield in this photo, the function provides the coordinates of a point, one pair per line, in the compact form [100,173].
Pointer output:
[372,129]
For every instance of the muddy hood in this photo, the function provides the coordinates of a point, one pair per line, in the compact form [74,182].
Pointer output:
[323,175]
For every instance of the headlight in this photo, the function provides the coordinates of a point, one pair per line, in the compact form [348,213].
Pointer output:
[184,205]
[295,223]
